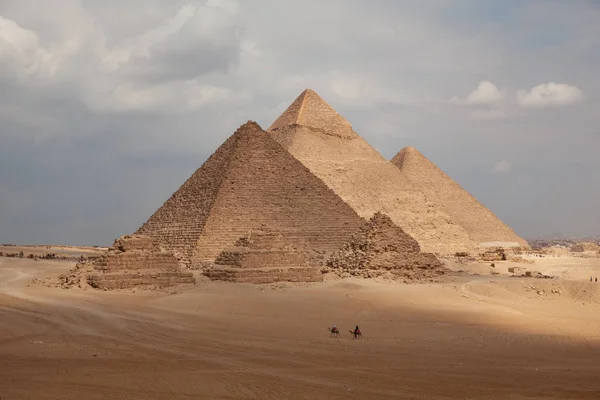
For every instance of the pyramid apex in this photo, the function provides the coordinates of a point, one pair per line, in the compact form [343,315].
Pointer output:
[405,153]
[409,150]
[311,111]
[249,127]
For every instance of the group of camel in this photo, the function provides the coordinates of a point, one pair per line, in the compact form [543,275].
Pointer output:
[356,334]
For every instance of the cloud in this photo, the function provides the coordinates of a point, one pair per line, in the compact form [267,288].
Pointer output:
[486,93]
[106,107]
[164,68]
[170,97]
[549,95]
[22,56]
[502,167]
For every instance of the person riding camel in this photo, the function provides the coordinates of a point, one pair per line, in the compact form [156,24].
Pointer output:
[356,331]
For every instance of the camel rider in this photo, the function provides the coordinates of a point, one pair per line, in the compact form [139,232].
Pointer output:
[356,330]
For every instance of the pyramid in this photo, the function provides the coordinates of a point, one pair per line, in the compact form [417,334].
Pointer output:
[249,183]
[328,146]
[310,110]
[381,248]
[131,262]
[266,256]
[479,222]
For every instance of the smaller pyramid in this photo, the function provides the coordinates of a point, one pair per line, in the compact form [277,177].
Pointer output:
[480,223]
[131,262]
[310,110]
[381,248]
[267,256]
[250,183]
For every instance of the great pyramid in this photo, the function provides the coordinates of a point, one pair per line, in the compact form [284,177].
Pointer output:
[326,144]
[250,183]
[480,223]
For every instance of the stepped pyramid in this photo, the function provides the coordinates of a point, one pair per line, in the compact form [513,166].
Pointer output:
[250,183]
[326,144]
[479,222]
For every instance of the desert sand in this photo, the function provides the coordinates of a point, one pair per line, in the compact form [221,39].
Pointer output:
[470,337]
[64,251]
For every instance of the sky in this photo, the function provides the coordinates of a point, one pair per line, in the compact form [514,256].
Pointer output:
[106,108]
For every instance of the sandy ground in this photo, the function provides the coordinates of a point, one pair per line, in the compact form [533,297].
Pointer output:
[475,337]
[65,251]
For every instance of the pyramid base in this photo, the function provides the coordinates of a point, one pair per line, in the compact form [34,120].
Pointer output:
[132,279]
[264,275]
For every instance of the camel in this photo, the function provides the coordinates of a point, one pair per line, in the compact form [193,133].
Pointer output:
[357,335]
[334,331]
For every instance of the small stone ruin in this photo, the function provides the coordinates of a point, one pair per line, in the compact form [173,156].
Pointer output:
[132,261]
[383,249]
[265,256]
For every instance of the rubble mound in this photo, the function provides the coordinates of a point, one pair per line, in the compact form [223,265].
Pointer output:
[383,249]
[267,256]
[132,261]
[585,246]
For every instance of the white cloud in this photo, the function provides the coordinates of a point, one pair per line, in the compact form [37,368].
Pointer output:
[170,97]
[21,54]
[161,68]
[141,45]
[550,94]
[502,167]
[486,93]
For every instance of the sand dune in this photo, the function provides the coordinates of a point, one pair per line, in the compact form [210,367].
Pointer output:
[471,337]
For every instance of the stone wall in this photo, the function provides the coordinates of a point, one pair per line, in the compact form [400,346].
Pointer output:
[128,280]
[244,258]
[137,259]
[265,275]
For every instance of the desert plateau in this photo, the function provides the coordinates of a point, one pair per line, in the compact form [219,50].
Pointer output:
[470,337]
